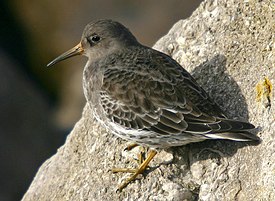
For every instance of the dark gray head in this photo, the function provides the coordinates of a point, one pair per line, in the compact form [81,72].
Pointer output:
[100,38]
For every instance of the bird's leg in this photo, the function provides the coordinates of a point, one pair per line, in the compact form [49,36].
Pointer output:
[141,158]
[137,171]
[130,147]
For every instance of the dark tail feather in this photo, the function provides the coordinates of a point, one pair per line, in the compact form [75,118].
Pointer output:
[233,130]
[238,125]
[228,125]
[236,136]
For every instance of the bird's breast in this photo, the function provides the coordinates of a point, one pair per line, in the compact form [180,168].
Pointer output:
[92,83]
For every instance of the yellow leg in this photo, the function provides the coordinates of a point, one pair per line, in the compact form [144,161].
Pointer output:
[136,172]
[141,156]
[130,147]
[129,170]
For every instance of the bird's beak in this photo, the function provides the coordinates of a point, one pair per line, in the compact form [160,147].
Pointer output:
[77,50]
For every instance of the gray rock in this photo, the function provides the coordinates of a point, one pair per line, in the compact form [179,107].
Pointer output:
[229,48]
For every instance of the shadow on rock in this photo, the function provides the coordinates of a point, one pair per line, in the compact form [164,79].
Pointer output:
[224,90]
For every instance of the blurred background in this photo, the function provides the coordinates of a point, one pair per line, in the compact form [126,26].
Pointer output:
[38,105]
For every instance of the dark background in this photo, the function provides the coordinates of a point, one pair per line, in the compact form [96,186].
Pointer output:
[39,105]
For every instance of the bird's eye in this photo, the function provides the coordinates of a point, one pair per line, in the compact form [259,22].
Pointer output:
[93,39]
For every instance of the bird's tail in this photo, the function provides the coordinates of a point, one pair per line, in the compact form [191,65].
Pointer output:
[236,136]
[232,130]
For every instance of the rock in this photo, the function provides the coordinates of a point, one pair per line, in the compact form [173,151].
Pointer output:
[229,48]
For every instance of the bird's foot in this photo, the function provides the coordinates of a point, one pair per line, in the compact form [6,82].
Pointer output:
[130,146]
[141,155]
[142,167]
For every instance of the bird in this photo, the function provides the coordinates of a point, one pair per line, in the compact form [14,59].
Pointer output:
[145,97]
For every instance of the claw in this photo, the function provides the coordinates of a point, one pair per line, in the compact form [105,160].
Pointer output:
[137,171]
[130,147]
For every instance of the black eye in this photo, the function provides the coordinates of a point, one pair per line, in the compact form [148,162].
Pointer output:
[93,39]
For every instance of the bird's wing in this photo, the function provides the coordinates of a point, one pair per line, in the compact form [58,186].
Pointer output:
[160,96]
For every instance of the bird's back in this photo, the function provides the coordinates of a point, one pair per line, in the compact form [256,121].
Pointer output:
[150,71]
[149,98]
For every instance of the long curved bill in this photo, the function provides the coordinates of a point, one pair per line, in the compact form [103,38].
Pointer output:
[77,50]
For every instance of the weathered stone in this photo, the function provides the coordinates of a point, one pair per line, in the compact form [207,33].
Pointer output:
[229,48]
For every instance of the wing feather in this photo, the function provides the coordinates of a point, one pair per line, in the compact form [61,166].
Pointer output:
[162,97]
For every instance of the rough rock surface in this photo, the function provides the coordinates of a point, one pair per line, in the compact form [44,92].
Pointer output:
[229,47]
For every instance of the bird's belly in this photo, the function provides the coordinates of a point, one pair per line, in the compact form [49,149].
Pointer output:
[150,138]
[140,136]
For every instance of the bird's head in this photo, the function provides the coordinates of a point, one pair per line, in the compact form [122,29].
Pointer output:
[99,39]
